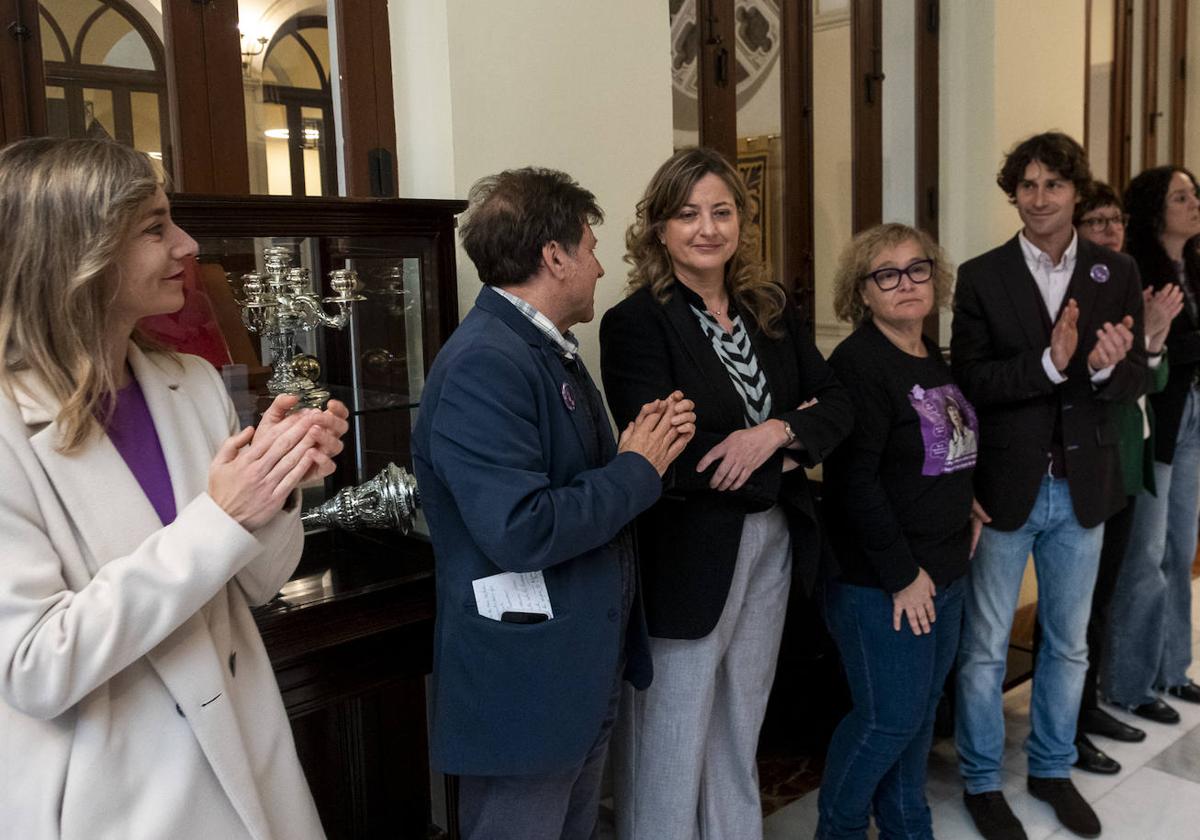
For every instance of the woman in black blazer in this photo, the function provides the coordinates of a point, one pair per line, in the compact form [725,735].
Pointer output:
[736,520]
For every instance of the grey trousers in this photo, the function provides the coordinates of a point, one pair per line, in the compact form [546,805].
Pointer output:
[555,806]
[684,750]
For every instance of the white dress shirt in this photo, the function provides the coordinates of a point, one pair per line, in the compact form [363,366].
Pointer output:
[1052,281]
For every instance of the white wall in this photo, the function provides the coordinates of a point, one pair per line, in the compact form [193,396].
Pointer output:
[899,115]
[582,87]
[832,170]
[1009,69]
[421,94]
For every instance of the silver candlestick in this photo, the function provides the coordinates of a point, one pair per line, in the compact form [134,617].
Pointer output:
[389,500]
[279,303]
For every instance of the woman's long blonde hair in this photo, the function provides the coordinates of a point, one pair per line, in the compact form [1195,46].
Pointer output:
[67,207]
[747,276]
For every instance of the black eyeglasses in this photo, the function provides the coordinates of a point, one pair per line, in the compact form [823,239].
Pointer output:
[1095,224]
[918,271]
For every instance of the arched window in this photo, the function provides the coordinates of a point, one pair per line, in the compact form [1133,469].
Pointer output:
[297,109]
[104,74]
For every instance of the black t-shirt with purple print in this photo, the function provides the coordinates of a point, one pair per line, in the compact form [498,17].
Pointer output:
[898,490]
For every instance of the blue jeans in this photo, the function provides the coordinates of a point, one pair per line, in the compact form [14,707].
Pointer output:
[1066,556]
[1150,620]
[879,751]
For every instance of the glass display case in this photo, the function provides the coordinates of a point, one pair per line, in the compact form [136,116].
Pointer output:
[350,636]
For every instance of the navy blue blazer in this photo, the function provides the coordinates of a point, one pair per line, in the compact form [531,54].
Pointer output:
[506,486]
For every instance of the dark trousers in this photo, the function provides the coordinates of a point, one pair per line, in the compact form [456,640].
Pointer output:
[1116,539]
[554,806]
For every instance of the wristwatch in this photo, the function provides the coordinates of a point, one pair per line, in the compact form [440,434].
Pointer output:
[787,430]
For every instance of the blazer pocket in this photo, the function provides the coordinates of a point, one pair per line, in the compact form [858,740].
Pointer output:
[473,616]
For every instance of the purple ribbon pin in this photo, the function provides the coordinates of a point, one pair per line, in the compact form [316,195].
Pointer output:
[1099,273]
[568,396]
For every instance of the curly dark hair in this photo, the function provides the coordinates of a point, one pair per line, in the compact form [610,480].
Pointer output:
[1146,204]
[512,215]
[1098,194]
[1053,150]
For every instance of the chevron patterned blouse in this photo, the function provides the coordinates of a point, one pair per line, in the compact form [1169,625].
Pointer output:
[737,355]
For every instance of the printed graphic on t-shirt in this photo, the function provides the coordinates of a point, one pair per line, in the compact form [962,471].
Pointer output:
[948,427]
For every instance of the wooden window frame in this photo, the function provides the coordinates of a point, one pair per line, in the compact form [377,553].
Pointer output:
[866,119]
[927,107]
[294,98]
[1151,113]
[1178,105]
[204,107]
[1120,127]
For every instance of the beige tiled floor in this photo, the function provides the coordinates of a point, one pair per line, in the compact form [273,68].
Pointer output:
[1156,796]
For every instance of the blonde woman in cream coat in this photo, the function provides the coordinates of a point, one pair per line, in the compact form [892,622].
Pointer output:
[136,698]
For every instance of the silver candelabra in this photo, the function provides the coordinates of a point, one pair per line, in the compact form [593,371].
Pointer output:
[279,303]
[389,500]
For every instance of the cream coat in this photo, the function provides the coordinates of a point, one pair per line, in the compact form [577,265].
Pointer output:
[137,698]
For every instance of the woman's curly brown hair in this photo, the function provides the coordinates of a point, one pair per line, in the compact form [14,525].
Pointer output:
[748,277]
[856,259]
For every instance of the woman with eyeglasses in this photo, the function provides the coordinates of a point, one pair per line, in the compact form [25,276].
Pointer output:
[903,525]
[1150,623]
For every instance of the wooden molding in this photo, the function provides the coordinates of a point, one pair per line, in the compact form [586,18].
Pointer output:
[717,77]
[368,112]
[22,81]
[926,105]
[204,84]
[1151,114]
[1179,38]
[866,120]
[797,110]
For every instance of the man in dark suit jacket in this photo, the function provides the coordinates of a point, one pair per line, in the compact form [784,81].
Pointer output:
[519,473]
[1047,334]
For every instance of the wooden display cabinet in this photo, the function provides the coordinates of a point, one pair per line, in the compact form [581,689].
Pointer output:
[350,636]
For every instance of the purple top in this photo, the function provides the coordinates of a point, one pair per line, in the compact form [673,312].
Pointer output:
[131,429]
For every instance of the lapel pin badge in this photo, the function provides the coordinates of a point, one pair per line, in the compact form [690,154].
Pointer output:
[1099,273]
[568,396]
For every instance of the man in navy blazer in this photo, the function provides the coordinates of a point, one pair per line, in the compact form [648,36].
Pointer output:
[519,473]
[1047,334]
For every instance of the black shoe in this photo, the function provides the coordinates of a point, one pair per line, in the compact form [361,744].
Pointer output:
[992,816]
[1100,722]
[1093,759]
[1071,809]
[1157,711]
[1189,692]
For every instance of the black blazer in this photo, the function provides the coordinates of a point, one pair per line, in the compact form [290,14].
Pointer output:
[1183,346]
[688,542]
[999,333]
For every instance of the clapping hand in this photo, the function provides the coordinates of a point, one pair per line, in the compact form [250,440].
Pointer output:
[1113,341]
[1161,308]
[330,424]
[660,431]
[1065,336]
[256,470]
